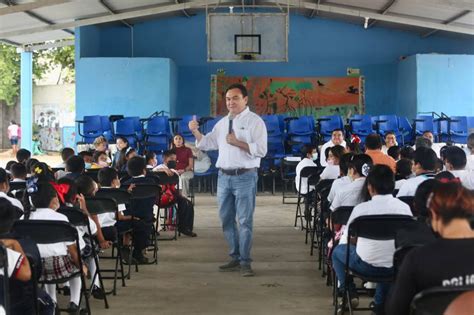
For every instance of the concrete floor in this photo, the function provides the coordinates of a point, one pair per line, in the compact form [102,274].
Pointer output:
[186,280]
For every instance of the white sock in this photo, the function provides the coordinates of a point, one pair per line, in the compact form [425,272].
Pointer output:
[51,290]
[75,290]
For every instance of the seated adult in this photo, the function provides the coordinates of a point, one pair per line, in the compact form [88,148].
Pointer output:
[373,148]
[370,257]
[343,179]
[448,261]
[424,167]
[390,141]
[337,138]
[332,170]
[351,194]
[455,162]
[184,163]
[308,156]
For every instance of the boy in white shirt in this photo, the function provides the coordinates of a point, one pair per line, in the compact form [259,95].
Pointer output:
[424,168]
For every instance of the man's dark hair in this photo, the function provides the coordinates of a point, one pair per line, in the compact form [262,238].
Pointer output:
[426,157]
[403,168]
[337,129]
[390,132]
[18,170]
[239,86]
[381,179]
[9,164]
[106,175]
[3,176]
[344,163]
[456,157]
[394,152]
[66,153]
[373,142]
[168,153]
[75,164]
[423,142]
[136,166]
[149,156]
[23,155]
[306,149]
[85,153]
[407,152]
[85,185]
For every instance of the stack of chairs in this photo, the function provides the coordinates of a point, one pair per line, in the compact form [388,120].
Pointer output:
[300,131]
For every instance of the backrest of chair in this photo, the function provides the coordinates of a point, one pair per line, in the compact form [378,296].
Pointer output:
[99,205]
[74,216]
[4,259]
[436,300]
[423,123]
[121,196]
[273,125]
[288,168]
[158,125]
[183,125]
[146,191]
[334,122]
[341,215]
[409,200]
[17,185]
[459,124]
[105,123]
[378,227]
[46,231]
[92,124]
[361,123]
[303,125]
[404,124]
[390,123]
[125,127]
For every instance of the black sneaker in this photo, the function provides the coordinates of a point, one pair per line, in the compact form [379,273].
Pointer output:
[141,260]
[97,293]
[189,233]
[233,265]
[246,271]
[73,308]
[66,291]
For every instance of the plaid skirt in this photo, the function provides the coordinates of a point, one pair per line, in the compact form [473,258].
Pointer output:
[57,267]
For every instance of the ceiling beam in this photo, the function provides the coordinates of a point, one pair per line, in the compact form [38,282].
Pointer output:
[383,11]
[108,8]
[55,44]
[447,22]
[31,6]
[112,18]
[184,11]
[9,42]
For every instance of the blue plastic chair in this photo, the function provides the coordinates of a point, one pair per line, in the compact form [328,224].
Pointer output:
[326,127]
[424,123]
[470,124]
[106,128]
[300,132]
[442,130]
[126,128]
[458,129]
[183,128]
[361,125]
[388,123]
[406,130]
[91,128]
[157,134]
[209,124]
[275,137]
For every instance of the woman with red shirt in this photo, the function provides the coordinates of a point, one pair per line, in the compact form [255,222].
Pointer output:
[184,162]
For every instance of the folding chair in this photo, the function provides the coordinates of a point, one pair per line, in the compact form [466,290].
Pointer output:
[5,279]
[374,227]
[288,174]
[101,205]
[303,196]
[170,212]
[91,128]
[436,300]
[79,219]
[49,232]
[409,200]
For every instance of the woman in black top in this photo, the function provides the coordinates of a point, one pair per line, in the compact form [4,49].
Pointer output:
[448,261]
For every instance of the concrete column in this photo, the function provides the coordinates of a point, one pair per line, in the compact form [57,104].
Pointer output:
[26,95]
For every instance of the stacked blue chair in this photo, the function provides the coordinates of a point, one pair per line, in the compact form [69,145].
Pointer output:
[459,129]
[138,127]
[208,124]
[126,128]
[107,128]
[158,134]
[374,119]
[470,124]
[300,132]
[424,123]
[327,124]
[406,130]
[275,137]
[183,128]
[388,123]
[91,128]
[361,125]
[442,129]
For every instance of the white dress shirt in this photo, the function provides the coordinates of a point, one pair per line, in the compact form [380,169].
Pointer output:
[330,172]
[304,181]
[376,253]
[329,144]
[466,177]
[338,184]
[349,195]
[248,127]
[13,201]
[408,188]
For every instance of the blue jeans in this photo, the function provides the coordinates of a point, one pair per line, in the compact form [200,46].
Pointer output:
[359,266]
[236,198]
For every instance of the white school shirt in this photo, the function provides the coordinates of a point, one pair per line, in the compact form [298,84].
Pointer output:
[408,188]
[15,259]
[466,177]
[376,253]
[338,184]
[304,181]
[470,162]
[330,172]
[54,249]
[248,127]
[349,195]
[329,144]
[13,201]
[109,219]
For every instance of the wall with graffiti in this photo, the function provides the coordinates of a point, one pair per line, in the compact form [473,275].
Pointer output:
[294,96]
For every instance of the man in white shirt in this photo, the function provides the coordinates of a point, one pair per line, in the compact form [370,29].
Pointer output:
[455,162]
[424,167]
[241,138]
[337,138]
[370,257]
[5,187]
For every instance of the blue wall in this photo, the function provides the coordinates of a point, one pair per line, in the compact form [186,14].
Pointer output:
[317,47]
[407,87]
[446,84]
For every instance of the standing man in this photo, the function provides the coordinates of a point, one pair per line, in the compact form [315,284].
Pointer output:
[241,138]
[13,135]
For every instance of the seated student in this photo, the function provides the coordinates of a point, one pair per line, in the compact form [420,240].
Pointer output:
[8,166]
[470,153]
[75,167]
[125,157]
[351,194]
[87,157]
[108,179]
[332,170]
[136,169]
[151,161]
[423,165]
[371,257]
[185,208]
[66,153]
[407,152]
[61,259]
[337,138]
[448,261]
[122,145]
[23,155]
[18,173]
[373,148]
[394,152]
[390,141]
[404,171]
[343,179]
[5,187]
[30,164]
[455,162]
[309,154]
[100,160]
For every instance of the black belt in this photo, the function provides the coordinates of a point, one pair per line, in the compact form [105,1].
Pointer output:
[237,171]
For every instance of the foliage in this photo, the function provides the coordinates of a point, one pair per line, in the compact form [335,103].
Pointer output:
[43,62]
